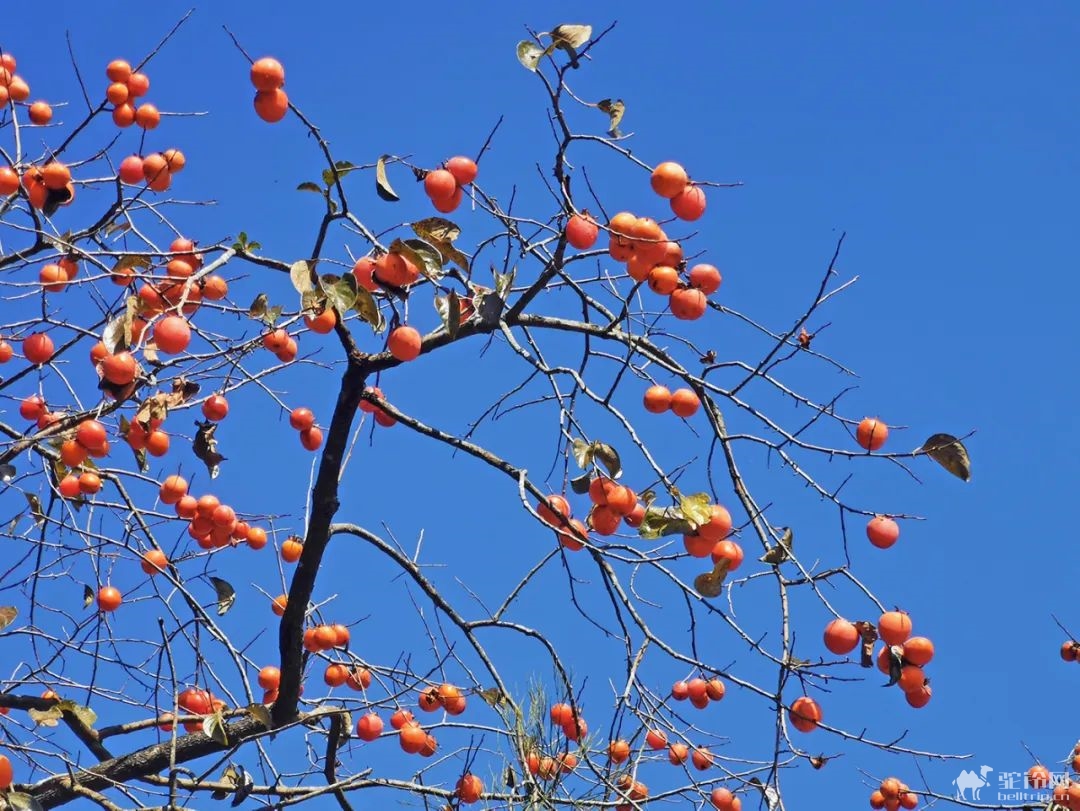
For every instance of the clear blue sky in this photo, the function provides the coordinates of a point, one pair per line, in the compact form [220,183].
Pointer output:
[939,137]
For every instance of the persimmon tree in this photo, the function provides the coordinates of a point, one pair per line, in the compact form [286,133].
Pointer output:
[130,680]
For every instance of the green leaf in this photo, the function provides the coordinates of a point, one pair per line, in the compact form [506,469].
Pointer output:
[367,308]
[8,613]
[226,595]
[309,186]
[441,233]
[661,522]
[426,258]
[341,291]
[300,274]
[529,54]
[504,282]
[382,185]
[616,109]
[214,727]
[85,715]
[205,447]
[244,245]
[46,718]
[697,509]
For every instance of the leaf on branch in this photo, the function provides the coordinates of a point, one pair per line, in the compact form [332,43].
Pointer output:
[231,778]
[8,613]
[950,453]
[493,696]
[529,54]
[583,453]
[616,109]
[87,596]
[817,761]
[697,509]
[341,169]
[382,185]
[205,447]
[300,274]
[867,637]
[244,245]
[896,664]
[261,310]
[46,718]
[226,597]
[246,786]
[570,37]
[35,508]
[87,717]
[440,234]
[369,311]
[608,457]
[7,472]
[580,485]
[17,801]
[214,727]
[449,310]
[260,713]
[662,521]
[710,584]
[307,185]
[117,333]
[129,262]
[340,291]
[782,551]
[426,258]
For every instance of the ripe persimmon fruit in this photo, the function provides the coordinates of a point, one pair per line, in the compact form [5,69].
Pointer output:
[894,627]
[154,562]
[439,184]
[805,714]
[172,334]
[841,637]
[687,303]
[38,348]
[109,598]
[404,343]
[684,403]
[882,531]
[871,433]
[267,73]
[582,231]
[689,204]
[668,179]
[271,105]
[463,169]
[215,408]
[705,278]
[663,280]
[657,399]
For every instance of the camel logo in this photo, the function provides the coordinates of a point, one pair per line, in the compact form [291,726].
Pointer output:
[969,780]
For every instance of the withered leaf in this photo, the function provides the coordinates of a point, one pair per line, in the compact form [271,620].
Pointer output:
[896,664]
[867,637]
[696,508]
[382,185]
[493,696]
[18,801]
[260,713]
[571,34]
[300,274]
[782,551]
[440,234]
[214,727]
[710,584]
[608,457]
[205,447]
[230,778]
[369,311]
[35,507]
[226,596]
[529,54]
[46,718]
[8,613]
[817,761]
[583,452]
[87,717]
[246,784]
[580,484]
[616,109]
[87,596]
[950,453]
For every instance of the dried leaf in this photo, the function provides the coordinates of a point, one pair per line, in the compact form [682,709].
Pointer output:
[205,447]
[382,185]
[87,596]
[35,507]
[950,453]
[87,717]
[493,696]
[867,637]
[17,801]
[529,54]
[570,34]
[817,761]
[580,485]
[307,185]
[440,234]
[710,584]
[779,553]
[426,258]
[46,718]
[616,109]
[245,787]
[214,727]
[7,472]
[261,714]
[300,274]
[896,664]
[229,777]
[608,457]
[583,453]
[226,596]
[8,613]
[369,311]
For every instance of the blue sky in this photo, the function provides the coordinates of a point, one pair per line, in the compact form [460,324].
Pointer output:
[938,137]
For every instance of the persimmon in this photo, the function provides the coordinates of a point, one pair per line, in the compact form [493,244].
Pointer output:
[267,73]
[279,603]
[882,531]
[224,516]
[195,701]
[702,758]
[174,159]
[138,84]
[72,453]
[157,443]
[620,249]
[120,368]
[894,627]
[395,270]
[604,520]
[301,418]
[684,403]
[154,562]
[714,689]
[574,539]
[919,697]
[214,288]
[404,343]
[335,674]
[559,509]
[322,323]
[325,637]
[657,399]
[705,278]
[275,340]
[688,303]
[215,407]
[656,739]
[364,270]
[172,334]
[463,169]
[619,751]
[147,116]
[582,231]
[680,690]
[55,175]
[70,267]
[38,348]
[369,727]
[271,105]
[384,419]
[109,598]
[689,204]
[719,524]
[52,278]
[841,637]
[119,70]
[723,800]
[40,113]
[117,93]
[575,729]
[9,181]
[668,179]
[638,266]
[341,635]
[91,434]
[440,184]
[911,678]
[727,550]
[663,280]
[678,753]
[89,483]
[32,407]
[805,714]
[698,546]
[469,788]
[291,550]
[256,537]
[1068,650]
[918,650]
[412,738]
[695,688]
[445,205]
[636,517]
[311,438]
[871,433]
[7,773]
[1038,776]
[359,679]
[207,504]
[561,714]
[123,115]
[18,89]
[429,700]
[69,486]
